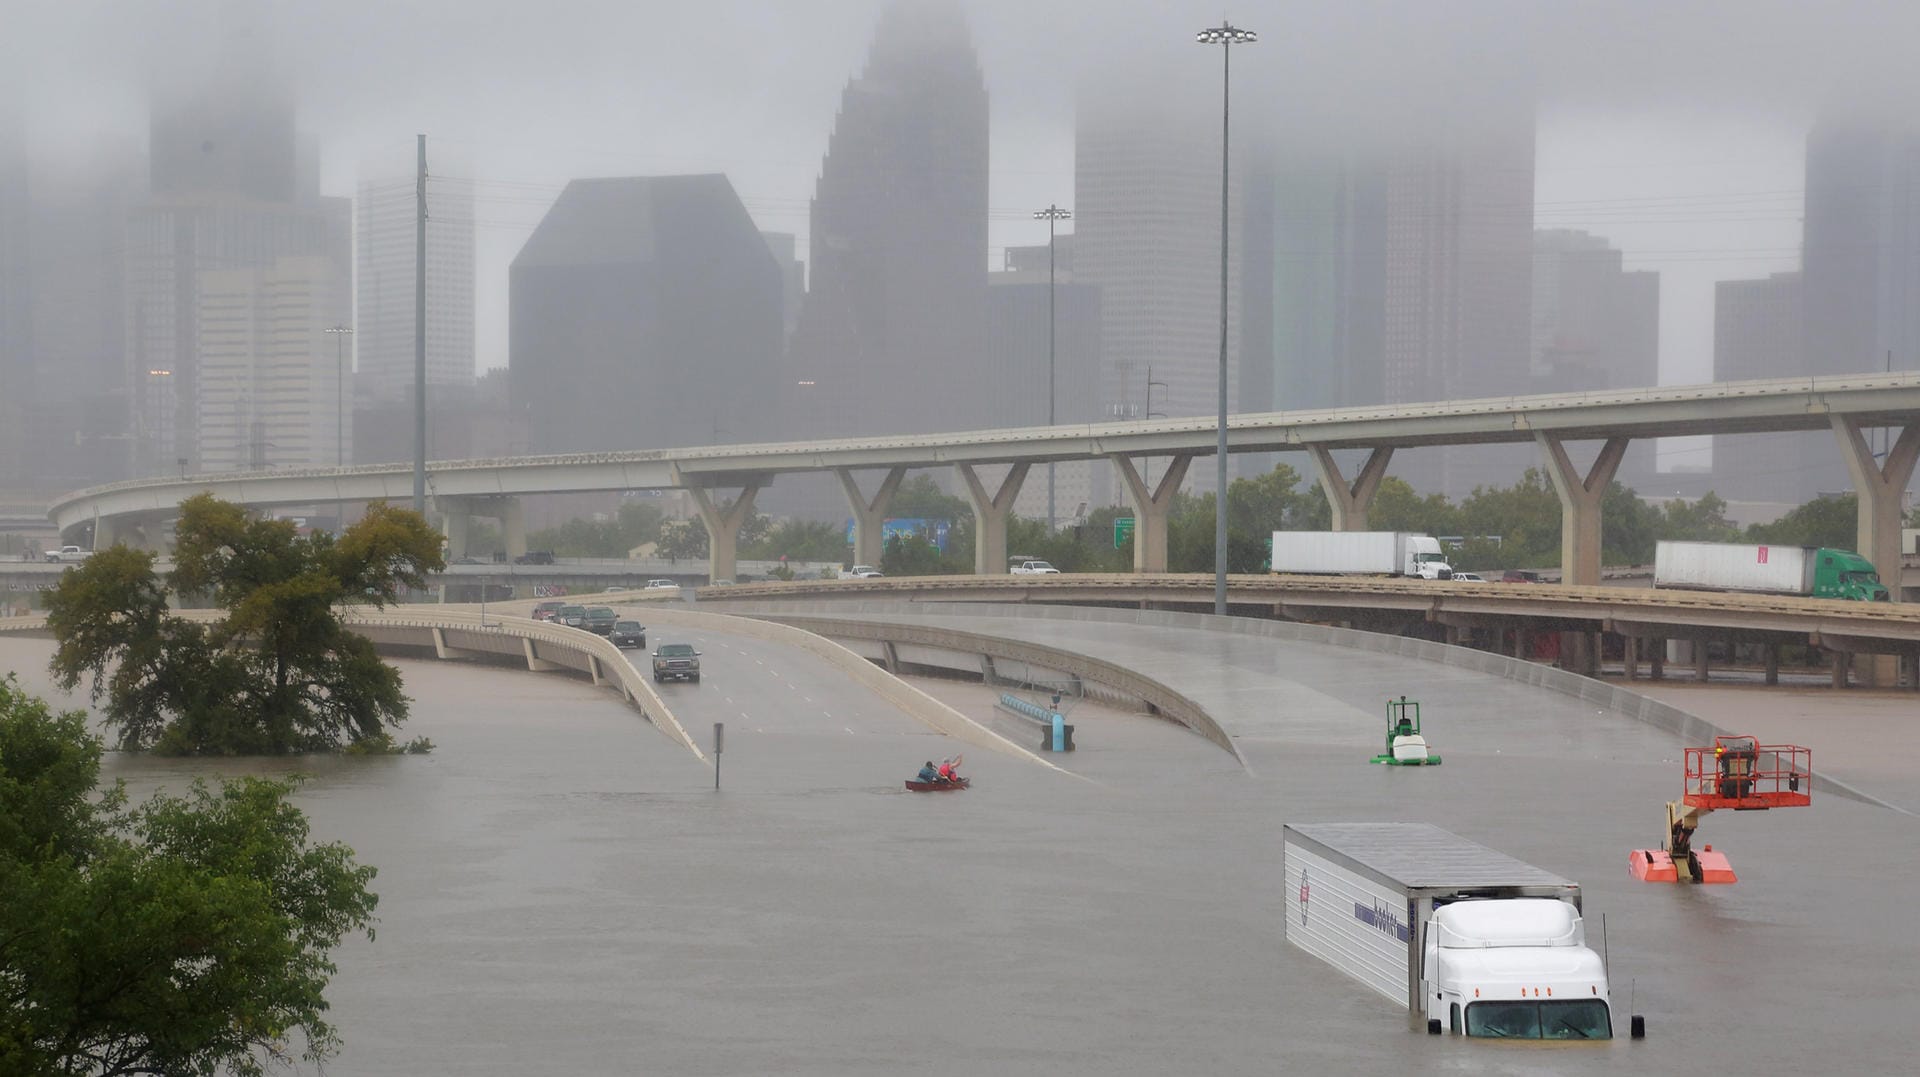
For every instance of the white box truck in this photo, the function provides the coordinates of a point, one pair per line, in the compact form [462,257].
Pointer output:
[1372,553]
[1471,941]
[1811,571]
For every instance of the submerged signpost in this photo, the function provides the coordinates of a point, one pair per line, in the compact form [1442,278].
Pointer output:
[719,734]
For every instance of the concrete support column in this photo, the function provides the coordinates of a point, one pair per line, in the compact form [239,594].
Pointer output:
[1699,660]
[1880,488]
[1521,637]
[1349,501]
[990,512]
[1630,650]
[723,527]
[1580,505]
[869,516]
[1773,663]
[513,526]
[1657,660]
[456,522]
[106,532]
[1841,660]
[1150,508]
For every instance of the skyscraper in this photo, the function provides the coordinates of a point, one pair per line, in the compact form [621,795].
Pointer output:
[268,379]
[1861,252]
[1595,325]
[1014,366]
[1147,233]
[1758,332]
[385,213]
[892,322]
[645,313]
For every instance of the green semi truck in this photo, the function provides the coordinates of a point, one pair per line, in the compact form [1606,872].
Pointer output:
[1812,571]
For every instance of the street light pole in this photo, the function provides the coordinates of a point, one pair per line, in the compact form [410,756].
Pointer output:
[1053,214]
[340,334]
[1226,35]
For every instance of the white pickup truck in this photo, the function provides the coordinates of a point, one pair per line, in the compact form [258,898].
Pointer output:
[1033,568]
[68,554]
[861,572]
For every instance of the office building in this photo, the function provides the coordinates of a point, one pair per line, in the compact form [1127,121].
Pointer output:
[1758,332]
[385,221]
[16,310]
[271,389]
[1861,256]
[645,313]
[892,324]
[1595,326]
[1014,367]
[793,280]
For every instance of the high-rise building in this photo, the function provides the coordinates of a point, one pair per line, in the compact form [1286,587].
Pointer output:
[16,310]
[1758,332]
[645,313]
[1147,234]
[1595,326]
[385,216]
[1014,367]
[1861,254]
[892,324]
[1458,286]
[221,119]
[271,390]
[793,278]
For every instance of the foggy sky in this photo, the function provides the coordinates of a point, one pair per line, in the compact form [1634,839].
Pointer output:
[1674,128]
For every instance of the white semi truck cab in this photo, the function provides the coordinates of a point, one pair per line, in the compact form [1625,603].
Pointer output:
[1470,941]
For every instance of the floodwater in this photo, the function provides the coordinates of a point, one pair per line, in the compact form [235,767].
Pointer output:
[563,891]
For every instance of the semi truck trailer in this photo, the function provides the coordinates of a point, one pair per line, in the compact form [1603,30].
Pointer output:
[1811,571]
[1471,941]
[1370,553]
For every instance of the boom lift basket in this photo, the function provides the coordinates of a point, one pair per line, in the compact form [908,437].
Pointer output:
[1741,775]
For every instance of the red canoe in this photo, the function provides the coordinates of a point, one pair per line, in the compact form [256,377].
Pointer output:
[938,787]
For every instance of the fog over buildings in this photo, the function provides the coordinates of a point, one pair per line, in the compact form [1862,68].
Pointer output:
[1428,201]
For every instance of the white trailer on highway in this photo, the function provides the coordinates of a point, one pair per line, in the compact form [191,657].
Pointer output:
[1370,553]
[1471,941]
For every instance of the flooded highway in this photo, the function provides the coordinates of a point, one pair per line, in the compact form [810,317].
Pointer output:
[563,891]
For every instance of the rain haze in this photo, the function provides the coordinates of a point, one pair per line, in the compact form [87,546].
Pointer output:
[1673,132]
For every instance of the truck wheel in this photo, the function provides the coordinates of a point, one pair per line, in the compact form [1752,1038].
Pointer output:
[696,678]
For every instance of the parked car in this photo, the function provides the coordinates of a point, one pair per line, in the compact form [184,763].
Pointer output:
[661,585]
[629,634]
[600,620]
[1519,575]
[861,572]
[676,662]
[571,616]
[535,557]
[544,611]
[1468,577]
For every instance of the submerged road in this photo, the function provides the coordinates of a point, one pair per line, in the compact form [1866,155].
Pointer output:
[563,891]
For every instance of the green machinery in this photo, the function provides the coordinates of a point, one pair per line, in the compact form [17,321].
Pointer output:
[1405,746]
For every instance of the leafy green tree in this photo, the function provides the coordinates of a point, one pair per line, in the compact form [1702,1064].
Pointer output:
[1397,507]
[634,524]
[912,555]
[280,673]
[918,496]
[188,935]
[1832,520]
[799,540]
[1525,517]
[1704,520]
[1629,527]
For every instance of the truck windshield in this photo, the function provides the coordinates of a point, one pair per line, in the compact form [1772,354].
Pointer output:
[1569,1019]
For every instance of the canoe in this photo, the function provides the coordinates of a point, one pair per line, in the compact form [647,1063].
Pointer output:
[937,787]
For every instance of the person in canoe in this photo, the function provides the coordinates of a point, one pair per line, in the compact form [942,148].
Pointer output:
[928,773]
[950,770]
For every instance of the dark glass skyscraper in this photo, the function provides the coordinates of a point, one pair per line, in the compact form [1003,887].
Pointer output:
[893,321]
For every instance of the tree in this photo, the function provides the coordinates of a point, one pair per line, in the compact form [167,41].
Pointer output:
[188,935]
[1705,520]
[682,539]
[280,673]
[1832,520]
[1525,517]
[1629,527]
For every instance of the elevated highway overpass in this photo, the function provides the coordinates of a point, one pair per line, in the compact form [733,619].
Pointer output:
[461,489]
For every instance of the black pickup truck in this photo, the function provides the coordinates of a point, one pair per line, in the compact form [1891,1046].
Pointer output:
[676,662]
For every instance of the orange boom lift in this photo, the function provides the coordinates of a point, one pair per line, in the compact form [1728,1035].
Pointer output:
[1736,773]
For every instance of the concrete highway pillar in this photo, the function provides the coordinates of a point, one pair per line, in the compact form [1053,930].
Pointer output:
[513,526]
[990,512]
[456,522]
[1150,509]
[1349,501]
[1773,663]
[1630,650]
[1657,660]
[869,516]
[1699,660]
[1580,506]
[1880,488]
[723,528]
[105,532]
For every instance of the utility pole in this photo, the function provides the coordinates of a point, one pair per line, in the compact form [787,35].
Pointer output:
[420,333]
[1053,215]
